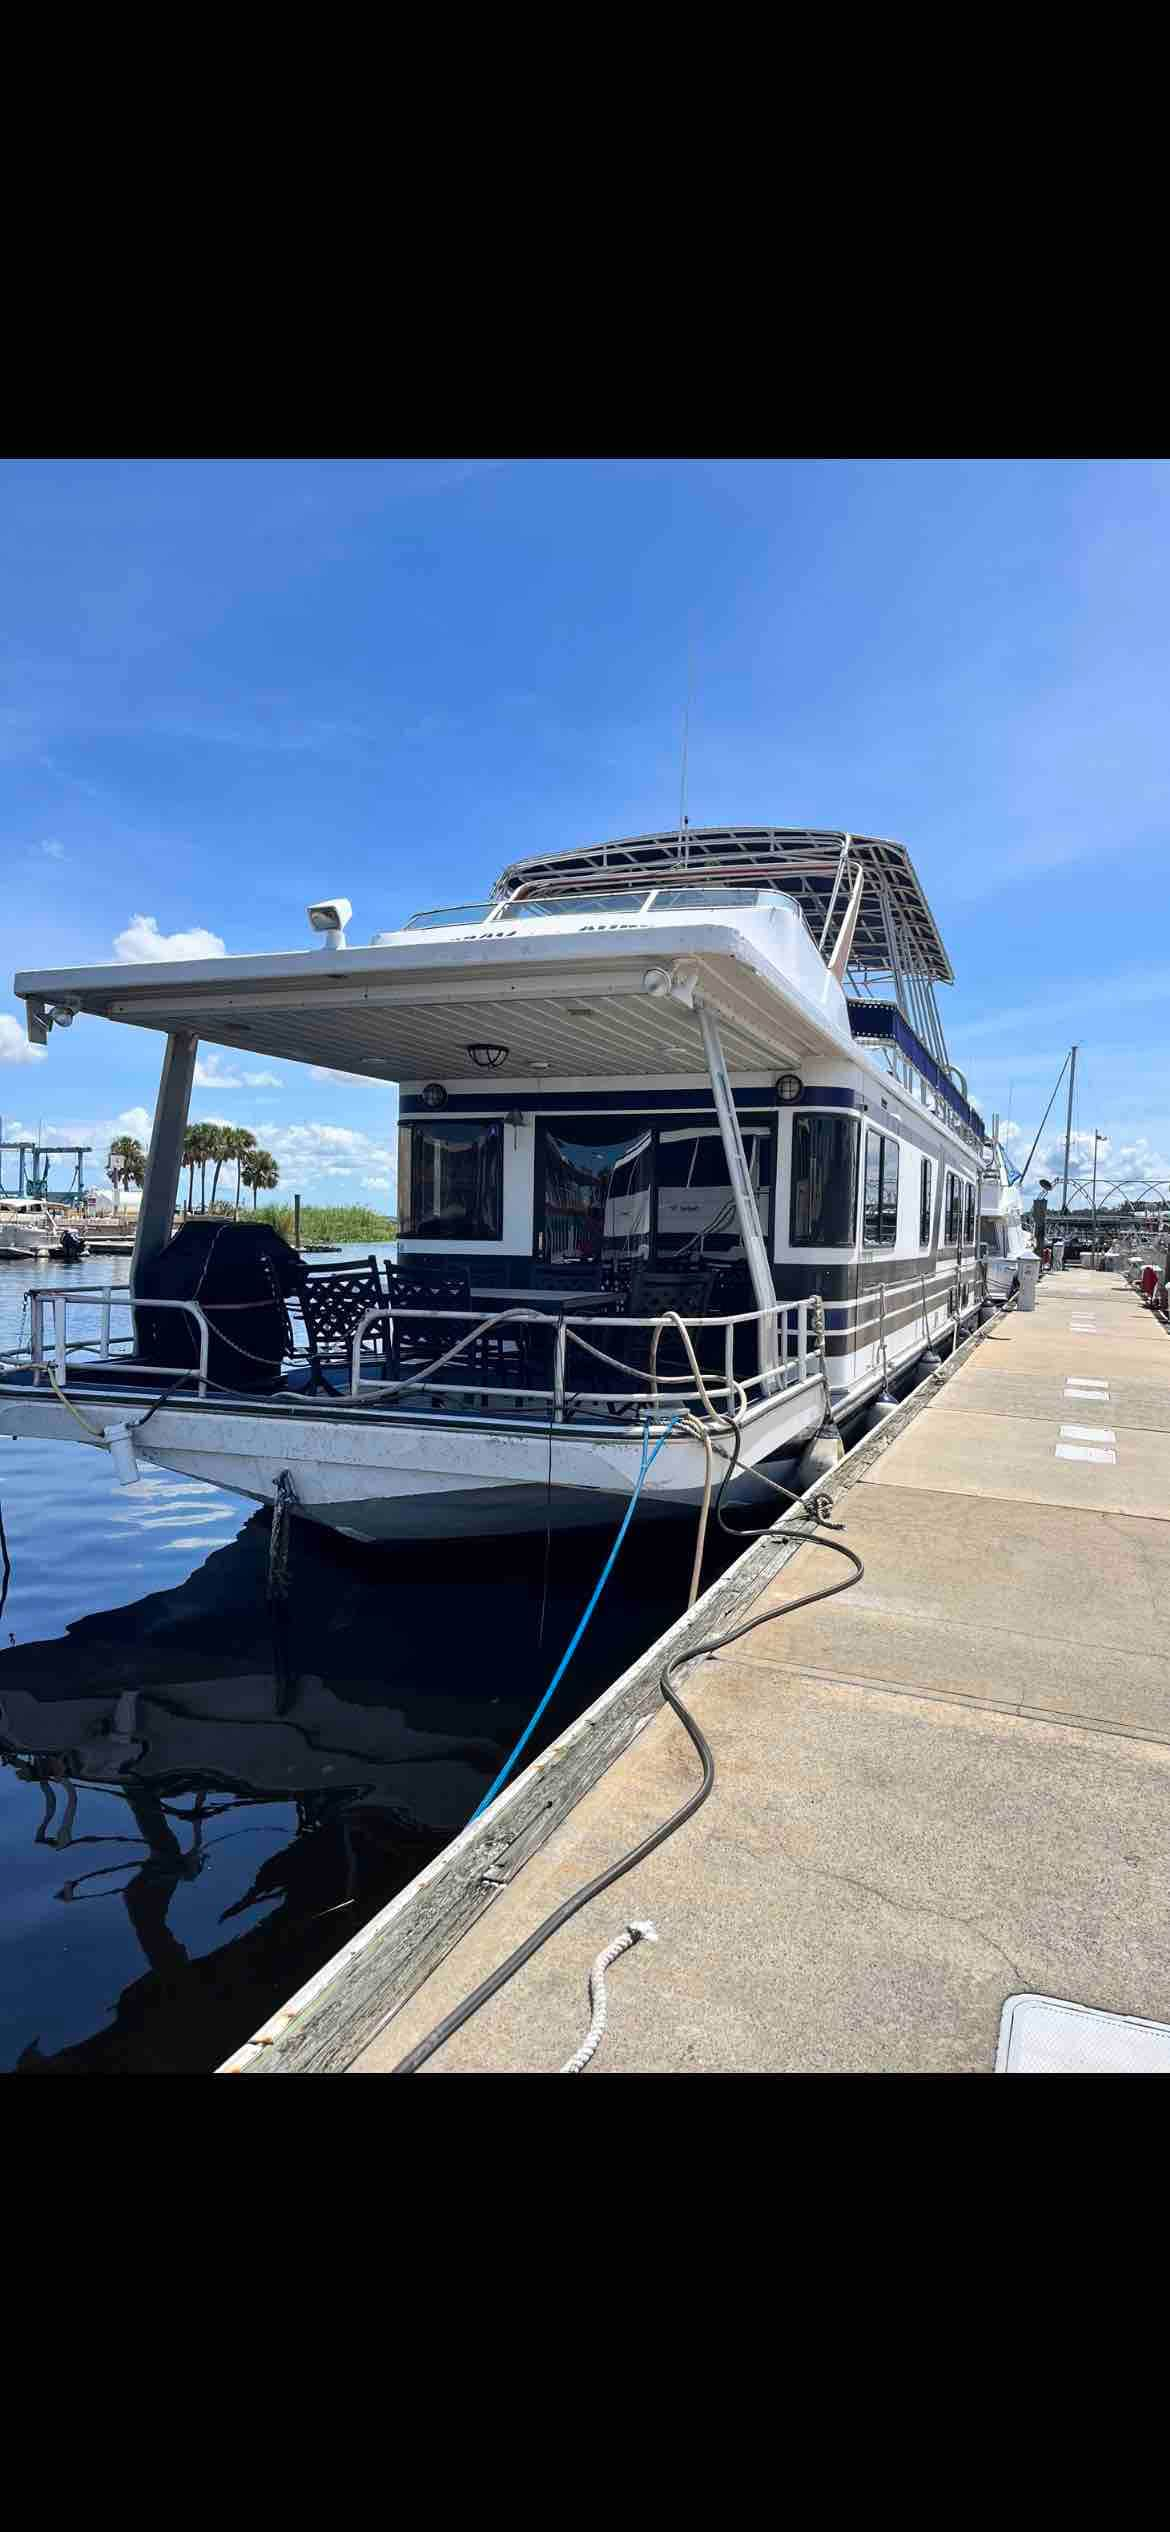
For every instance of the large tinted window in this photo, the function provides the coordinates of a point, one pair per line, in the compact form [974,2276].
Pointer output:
[696,1208]
[593,1189]
[954,1200]
[450,1180]
[969,1213]
[881,1190]
[889,1212]
[823,1203]
[924,1178]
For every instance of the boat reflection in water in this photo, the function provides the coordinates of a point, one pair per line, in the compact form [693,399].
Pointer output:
[244,1785]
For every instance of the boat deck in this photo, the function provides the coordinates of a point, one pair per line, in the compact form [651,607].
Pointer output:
[945,1787]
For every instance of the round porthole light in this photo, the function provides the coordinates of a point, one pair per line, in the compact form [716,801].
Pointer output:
[434,1095]
[789,1087]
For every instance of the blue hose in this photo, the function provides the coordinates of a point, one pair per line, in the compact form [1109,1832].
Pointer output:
[648,1460]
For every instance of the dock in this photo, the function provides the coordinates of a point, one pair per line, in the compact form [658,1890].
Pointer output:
[946,1787]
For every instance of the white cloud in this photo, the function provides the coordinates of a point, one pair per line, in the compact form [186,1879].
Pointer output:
[211,1073]
[381,1186]
[142,942]
[311,1152]
[14,1045]
[368,1081]
[52,851]
[135,1121]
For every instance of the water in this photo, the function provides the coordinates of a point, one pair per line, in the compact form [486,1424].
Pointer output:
[201,1800]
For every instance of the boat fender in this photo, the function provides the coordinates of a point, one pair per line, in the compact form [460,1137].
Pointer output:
[117,1438]
[820,1456]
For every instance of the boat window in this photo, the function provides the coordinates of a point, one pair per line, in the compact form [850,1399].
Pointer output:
[439,916]
[954,1196]
[823,1203]
[451,1179]
[881,1190]
[664,898]
[696,1216]
[969,1212]
[924,1187]
[604,901]
[593,1189]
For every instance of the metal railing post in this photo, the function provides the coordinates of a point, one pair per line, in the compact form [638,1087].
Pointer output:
[729,1361]
[559,1351]
[802,1340]
[60,1342]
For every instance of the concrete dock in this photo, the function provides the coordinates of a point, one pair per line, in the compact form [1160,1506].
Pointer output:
[948,1785]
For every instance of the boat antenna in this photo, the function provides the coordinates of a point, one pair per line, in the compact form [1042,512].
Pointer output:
[682,789]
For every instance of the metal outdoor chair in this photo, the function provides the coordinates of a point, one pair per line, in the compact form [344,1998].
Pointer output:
[417,1341]
[332,1299]
[651,1290]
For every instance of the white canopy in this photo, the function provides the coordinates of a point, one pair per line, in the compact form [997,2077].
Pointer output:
[563,997]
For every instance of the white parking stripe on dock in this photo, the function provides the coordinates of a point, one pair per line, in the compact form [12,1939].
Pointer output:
[1086,1433]
[1085,1450]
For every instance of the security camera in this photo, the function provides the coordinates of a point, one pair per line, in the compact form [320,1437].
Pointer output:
[62,1014]
[331,918]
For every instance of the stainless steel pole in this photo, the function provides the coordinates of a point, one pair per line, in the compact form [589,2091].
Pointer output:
[1072,1074]
[746,1208]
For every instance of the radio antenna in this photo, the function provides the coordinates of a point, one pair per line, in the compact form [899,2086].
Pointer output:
[682,791]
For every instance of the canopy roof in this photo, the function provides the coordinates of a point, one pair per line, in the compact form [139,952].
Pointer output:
[894,925]
[561,999]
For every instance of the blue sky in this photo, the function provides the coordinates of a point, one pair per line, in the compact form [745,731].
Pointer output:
[229,688]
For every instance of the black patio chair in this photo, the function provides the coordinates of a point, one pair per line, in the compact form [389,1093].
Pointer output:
[652,1290]
[332,1299]
[417,1341]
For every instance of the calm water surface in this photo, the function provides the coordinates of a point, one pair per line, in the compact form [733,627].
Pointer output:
[200,1800]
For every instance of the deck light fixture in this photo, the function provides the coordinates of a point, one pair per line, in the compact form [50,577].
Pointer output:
[488,1058]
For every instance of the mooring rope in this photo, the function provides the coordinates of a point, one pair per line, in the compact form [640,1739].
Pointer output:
[638,1932]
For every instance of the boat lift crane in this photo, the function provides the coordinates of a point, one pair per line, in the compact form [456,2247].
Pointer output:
[34,1162]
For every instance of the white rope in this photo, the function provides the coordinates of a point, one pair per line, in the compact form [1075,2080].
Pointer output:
[638,1933]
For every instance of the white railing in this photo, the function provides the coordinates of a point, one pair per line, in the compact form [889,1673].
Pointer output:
[574,1339]
[797,1324]
[51,1342]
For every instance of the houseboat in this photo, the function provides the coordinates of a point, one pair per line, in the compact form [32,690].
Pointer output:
[686,1178]
[1002,1237]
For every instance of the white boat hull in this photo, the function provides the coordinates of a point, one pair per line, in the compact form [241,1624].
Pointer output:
[388,1479]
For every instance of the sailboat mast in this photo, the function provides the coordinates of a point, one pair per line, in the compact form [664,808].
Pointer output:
[1072,1074]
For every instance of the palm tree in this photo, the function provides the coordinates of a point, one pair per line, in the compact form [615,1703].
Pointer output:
[125,1162]
[221,1150]
[190,1156]
[242,1143]
[198,1149]
[259,1170]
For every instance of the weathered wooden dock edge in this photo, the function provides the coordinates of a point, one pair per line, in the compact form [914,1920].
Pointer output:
[325,2026]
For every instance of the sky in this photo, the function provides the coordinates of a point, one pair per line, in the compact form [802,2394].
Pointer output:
[229,688]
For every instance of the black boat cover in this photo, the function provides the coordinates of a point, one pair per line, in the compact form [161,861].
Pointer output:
[240,1273]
